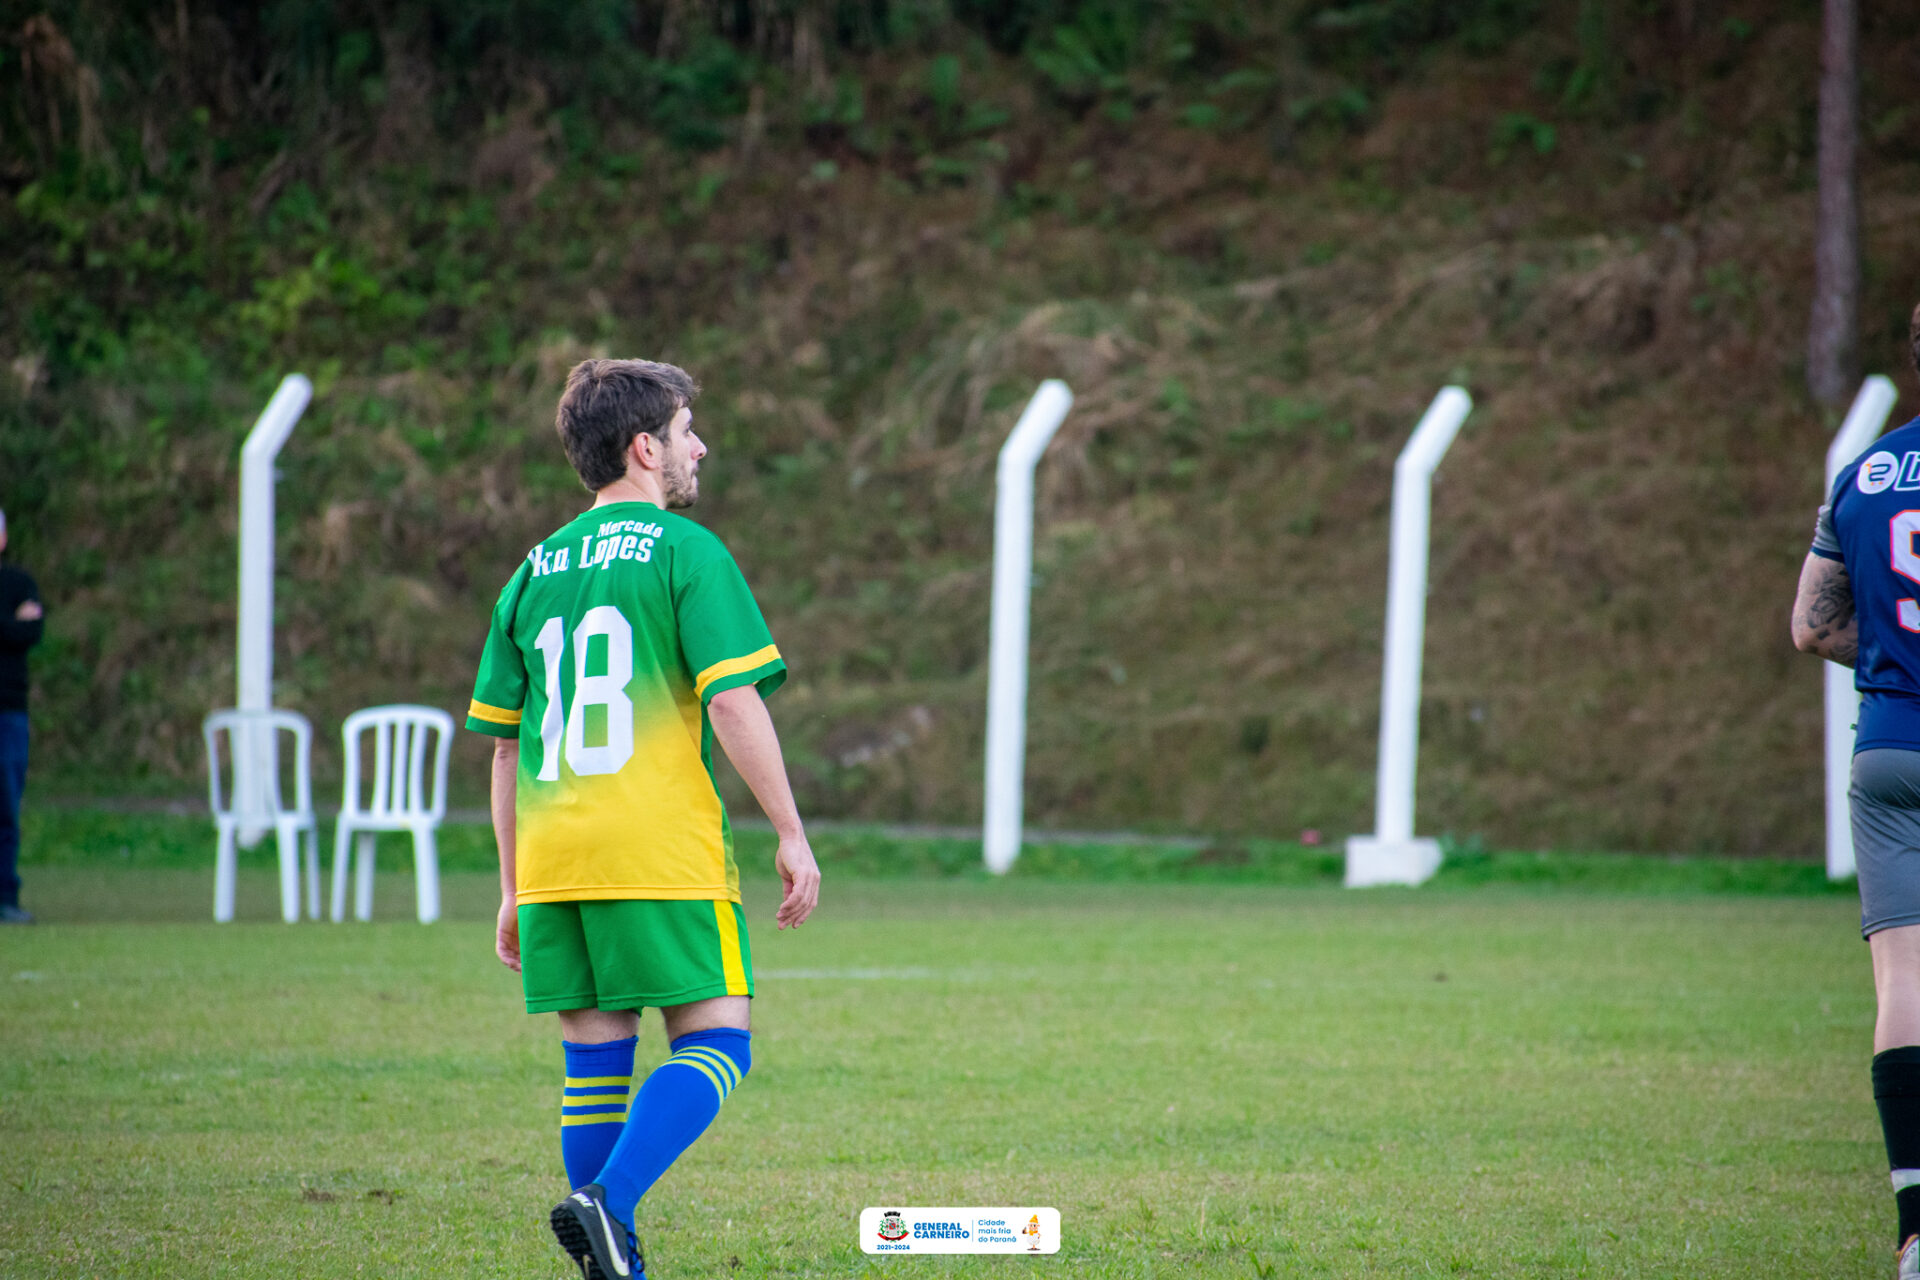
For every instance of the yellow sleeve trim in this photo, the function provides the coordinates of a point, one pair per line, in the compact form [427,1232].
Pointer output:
[492,715]
[721,670]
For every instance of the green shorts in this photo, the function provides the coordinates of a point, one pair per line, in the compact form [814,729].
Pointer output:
[630,953]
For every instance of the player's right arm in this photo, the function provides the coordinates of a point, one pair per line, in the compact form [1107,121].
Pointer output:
[1824,622]
[746,734]
[735,665]
[506,768]
[499,696]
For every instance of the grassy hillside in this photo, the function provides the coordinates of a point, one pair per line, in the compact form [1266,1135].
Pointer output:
[1254,241]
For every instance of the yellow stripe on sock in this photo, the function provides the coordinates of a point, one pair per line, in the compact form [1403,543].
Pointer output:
[605,1117]
[594,1099]
[588,1082]
[704,1070]
[720,1060]
[730,962]
[714,1058]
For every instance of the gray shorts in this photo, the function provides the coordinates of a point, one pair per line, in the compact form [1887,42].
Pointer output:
[1885,798]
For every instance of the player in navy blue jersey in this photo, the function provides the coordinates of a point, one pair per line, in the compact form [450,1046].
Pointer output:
[1859,605]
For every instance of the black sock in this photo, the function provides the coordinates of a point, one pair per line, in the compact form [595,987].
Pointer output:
[1896,1091]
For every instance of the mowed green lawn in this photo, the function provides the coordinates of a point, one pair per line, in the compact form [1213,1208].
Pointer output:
[1206,1080]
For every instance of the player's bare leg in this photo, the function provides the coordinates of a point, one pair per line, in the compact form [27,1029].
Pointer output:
[1896,986]
[597,1026]
[729,1012]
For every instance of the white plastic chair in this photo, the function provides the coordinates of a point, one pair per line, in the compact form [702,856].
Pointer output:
[400,801]
[267,811]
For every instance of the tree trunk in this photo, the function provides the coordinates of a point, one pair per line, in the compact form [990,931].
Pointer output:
[1832,345]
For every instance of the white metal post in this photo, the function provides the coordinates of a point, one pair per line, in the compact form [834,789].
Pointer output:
[1861,427]
[1012,591]
[256,754]
[1391,855]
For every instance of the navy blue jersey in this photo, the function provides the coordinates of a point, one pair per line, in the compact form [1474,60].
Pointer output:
[1874,512]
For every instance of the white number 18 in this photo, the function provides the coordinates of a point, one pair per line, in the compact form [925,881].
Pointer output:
[608,690]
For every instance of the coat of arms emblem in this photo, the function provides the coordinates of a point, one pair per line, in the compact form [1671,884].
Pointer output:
[892,1225]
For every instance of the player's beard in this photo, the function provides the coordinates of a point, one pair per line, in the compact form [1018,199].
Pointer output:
[681,485]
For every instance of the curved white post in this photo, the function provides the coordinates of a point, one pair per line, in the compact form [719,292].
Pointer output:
[1391,855]
[1012,590]
[256,759]
[1861,428]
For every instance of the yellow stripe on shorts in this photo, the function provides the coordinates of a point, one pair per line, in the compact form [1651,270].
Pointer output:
[731,964]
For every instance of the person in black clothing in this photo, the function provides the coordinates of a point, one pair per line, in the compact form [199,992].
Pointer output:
[20,615]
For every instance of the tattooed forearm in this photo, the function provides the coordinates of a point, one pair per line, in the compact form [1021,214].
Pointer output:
[1832,607]
[1824,622]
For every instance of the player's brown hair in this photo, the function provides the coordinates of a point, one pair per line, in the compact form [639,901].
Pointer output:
[609,402]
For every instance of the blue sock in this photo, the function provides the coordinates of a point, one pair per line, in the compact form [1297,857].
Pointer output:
[675,1106]
[599,1077]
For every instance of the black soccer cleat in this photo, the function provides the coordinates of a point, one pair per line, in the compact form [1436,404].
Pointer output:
[594,1238]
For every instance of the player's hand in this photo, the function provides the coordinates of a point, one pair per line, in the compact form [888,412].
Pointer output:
[506,935]
[801,875]
[29,611]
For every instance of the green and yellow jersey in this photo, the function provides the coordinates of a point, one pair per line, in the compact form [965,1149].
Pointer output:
[604,648]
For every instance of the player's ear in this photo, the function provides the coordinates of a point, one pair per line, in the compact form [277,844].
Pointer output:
[644,451]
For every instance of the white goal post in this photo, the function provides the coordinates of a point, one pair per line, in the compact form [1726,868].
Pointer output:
[1391,855]
[1861,428]
[1012,598]
[256,761]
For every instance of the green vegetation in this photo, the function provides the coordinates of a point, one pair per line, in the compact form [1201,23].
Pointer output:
[1208,1081]
[1254,238]
[100,846]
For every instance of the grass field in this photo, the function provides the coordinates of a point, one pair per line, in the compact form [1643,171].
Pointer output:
[1208,1079]
[110,842]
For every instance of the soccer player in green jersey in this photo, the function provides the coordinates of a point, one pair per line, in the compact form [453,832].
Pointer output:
[620,651]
